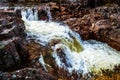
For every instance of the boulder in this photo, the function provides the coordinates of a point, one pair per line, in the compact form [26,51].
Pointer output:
[13,54]
[13,45]
[11,30]
[103,24]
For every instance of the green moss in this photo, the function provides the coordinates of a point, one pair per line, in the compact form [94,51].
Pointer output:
[77,46]
[74,46]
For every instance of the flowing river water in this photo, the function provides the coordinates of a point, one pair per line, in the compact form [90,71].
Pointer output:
[81,56]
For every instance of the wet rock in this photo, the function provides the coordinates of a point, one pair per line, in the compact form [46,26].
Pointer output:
[83,25]
[13,49]
[42,15]
[50,65]
[13,54]
[101,24]
[27,74]
[39,50]
[11,27]
[67,11]
[11,30]
[112,37]
[7,12]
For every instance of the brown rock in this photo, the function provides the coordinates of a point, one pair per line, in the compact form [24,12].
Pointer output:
[101,24]
[112,37]
[13,54]
[11,31]
[13,46]
[27,74]
[42,15]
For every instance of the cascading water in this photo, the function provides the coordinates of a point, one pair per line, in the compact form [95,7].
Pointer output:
[82,57]
[30,14]
[47,9]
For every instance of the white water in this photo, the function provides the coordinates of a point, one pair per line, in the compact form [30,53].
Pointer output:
[92,58]
[47,9]
[31,15]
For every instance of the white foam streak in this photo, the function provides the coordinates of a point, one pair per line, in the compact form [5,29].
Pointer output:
[57,58]
[41,60]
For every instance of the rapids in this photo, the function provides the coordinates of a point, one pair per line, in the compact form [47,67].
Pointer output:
[81,56]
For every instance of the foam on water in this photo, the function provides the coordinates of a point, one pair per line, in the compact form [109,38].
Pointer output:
[45,32]
[99,56]
[90,56]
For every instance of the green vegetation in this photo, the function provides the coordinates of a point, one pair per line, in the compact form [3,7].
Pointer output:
[74,45]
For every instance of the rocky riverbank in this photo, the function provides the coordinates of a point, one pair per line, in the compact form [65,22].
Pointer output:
[19,59]
[100,23]
[14,51]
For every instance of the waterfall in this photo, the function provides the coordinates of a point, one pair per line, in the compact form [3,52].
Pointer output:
[48,13]
[30,14]
[80,56]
